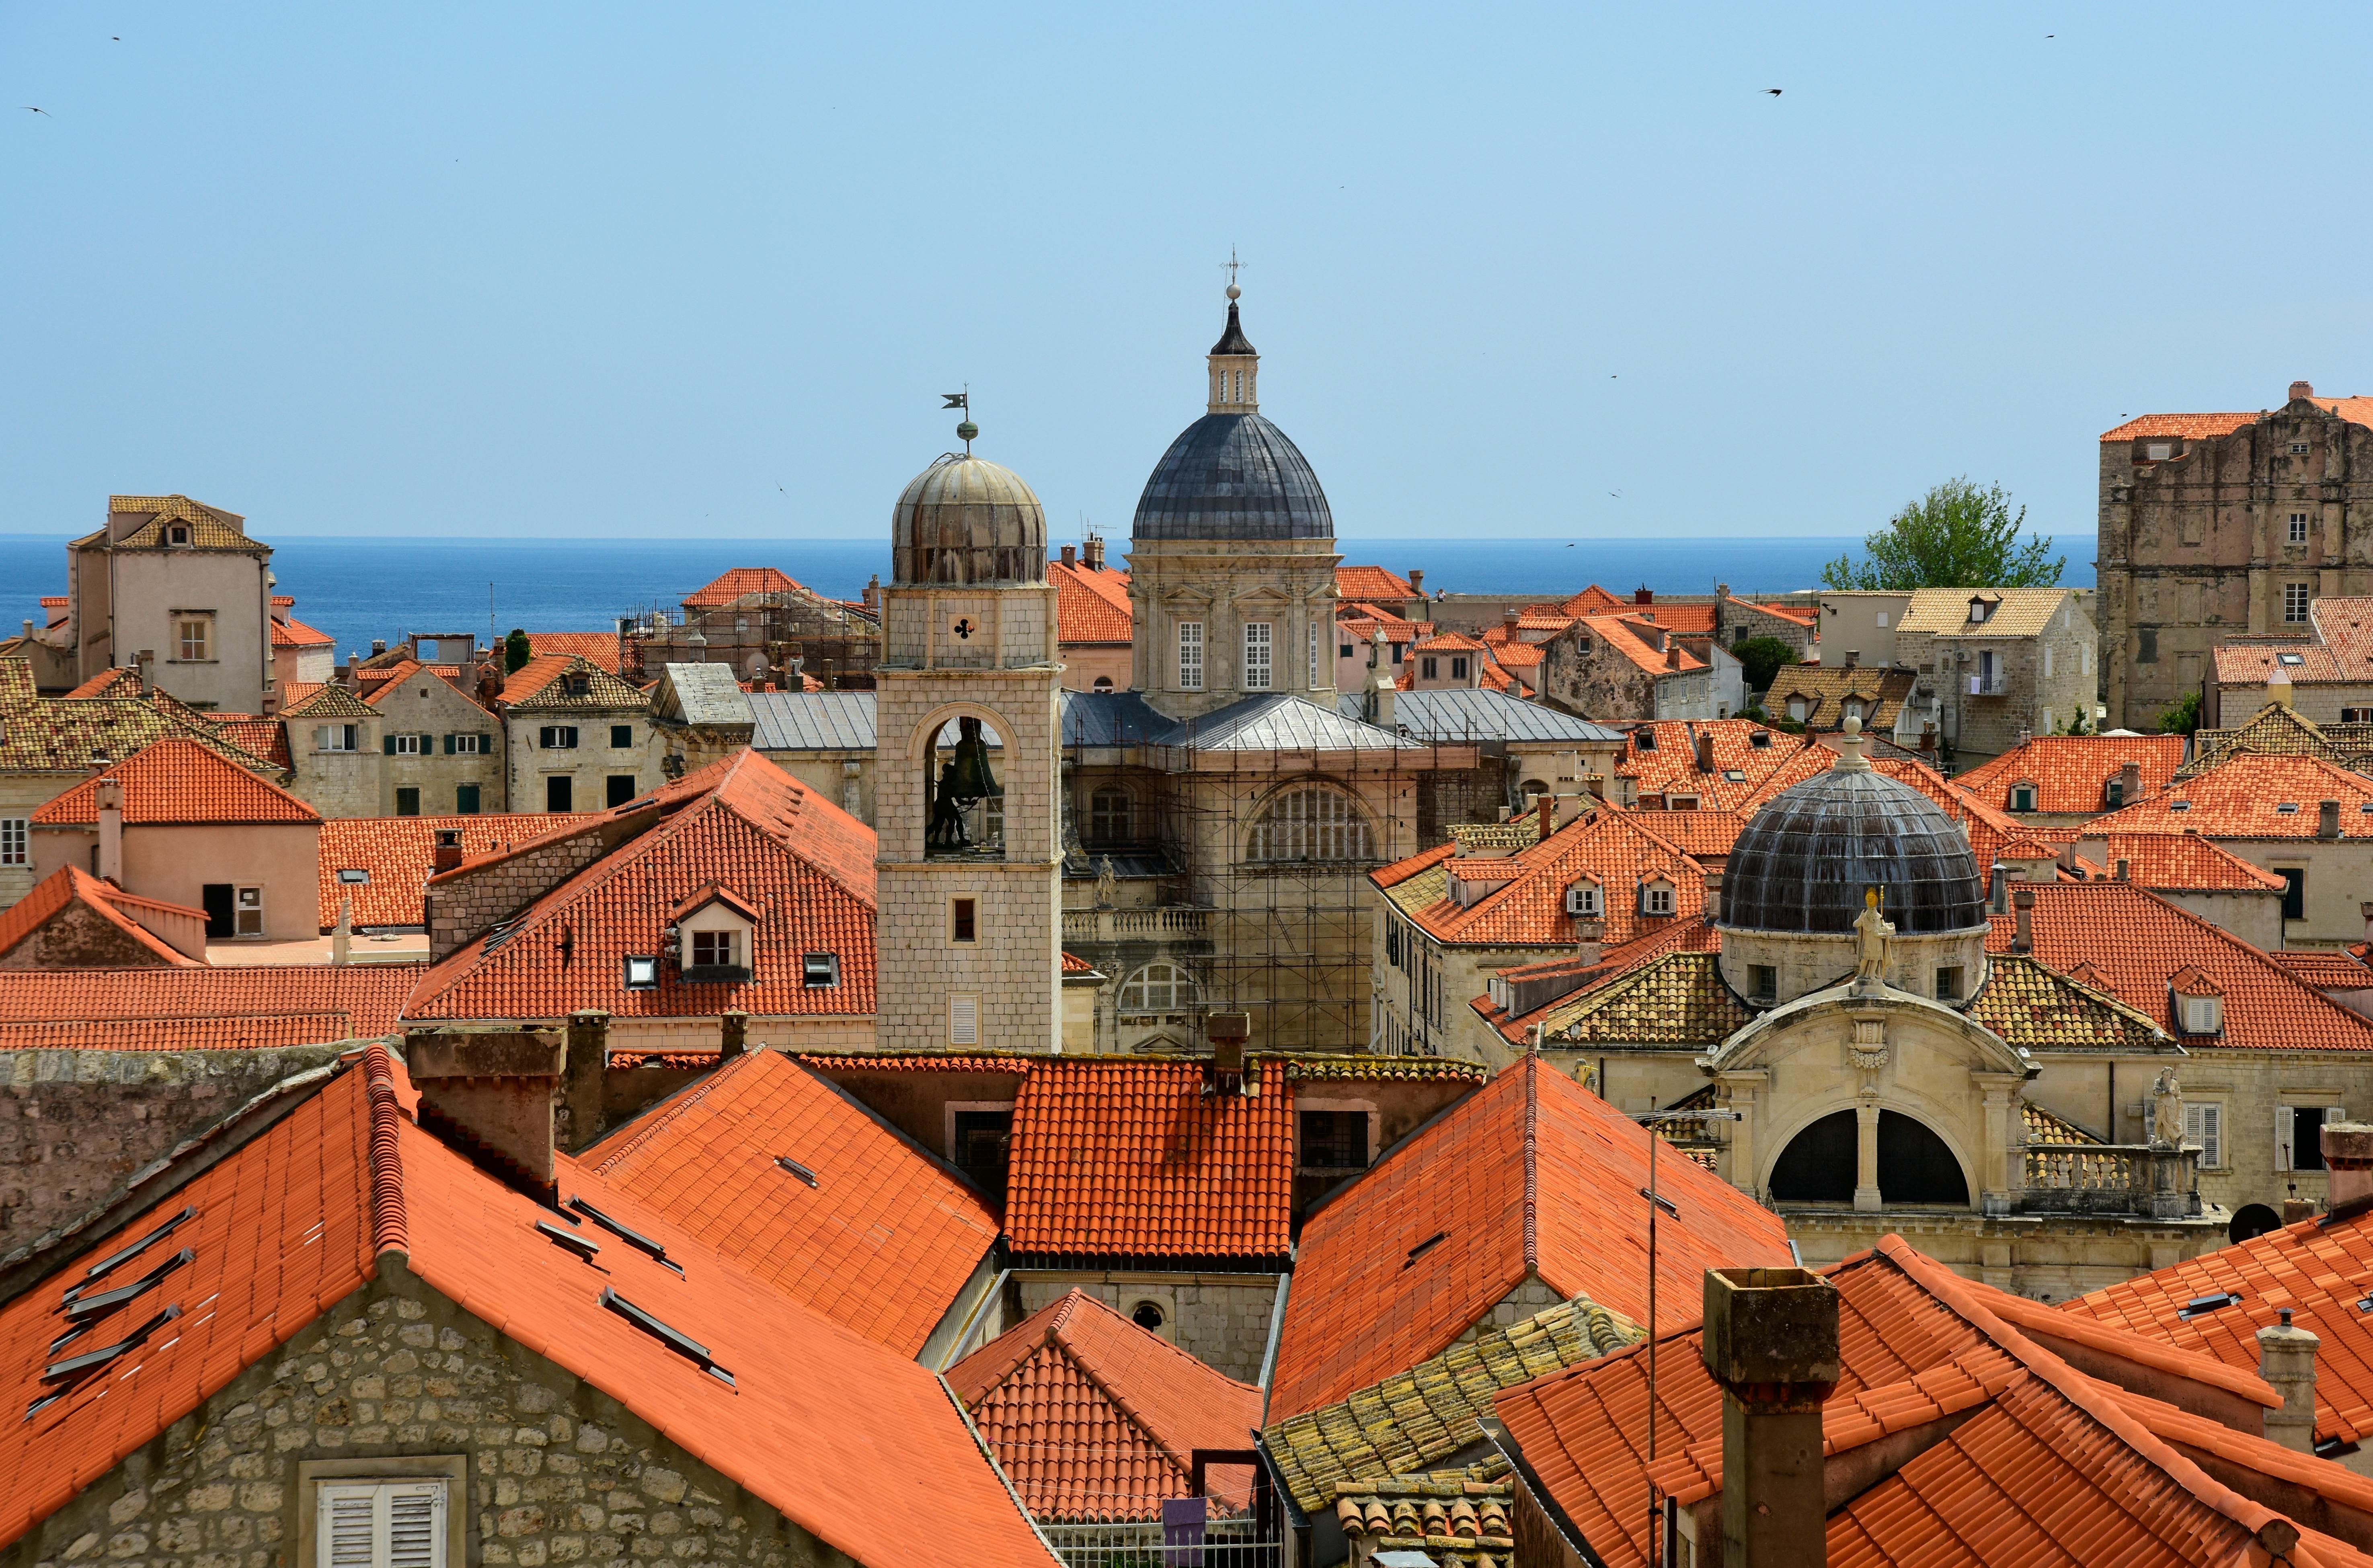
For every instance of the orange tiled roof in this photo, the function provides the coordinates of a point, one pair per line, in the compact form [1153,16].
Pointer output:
[297,1219]
[175,780]
[294,693]
[261,738]
[228,1031]
[290,632]
[1661,758]
[2206,427]
[1684,620]
[1528,908]
[2169,862]
[807,864]
[1095,1419]
[2072,773]
[1449,642]
[2243,796]
[2327,969]
[72,884]
[367,997]
[535,684]
[399,851]
[1695,832]
[2136,943]
[1090,605]
[735,582]
[1626,635]
[2254,665]
[117,682]
[1511,1183]
[883,1243]
[1133,1160]
[1372,582]
[1786,613]
[1075,964]
[1594,601]
[601,647]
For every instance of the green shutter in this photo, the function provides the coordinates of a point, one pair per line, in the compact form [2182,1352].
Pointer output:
[486,745]
[448,745]
[387,743]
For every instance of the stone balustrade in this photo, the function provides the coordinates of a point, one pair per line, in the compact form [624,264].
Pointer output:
[1168,924]
[2109,1179]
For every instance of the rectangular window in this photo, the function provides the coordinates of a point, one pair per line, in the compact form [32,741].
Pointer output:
[559,793]
[1427,669]
[466,800]
[1190,656]
[12,841]
[820,969]
[2203,1127]
[1344,651]
[1948,983]
[2147,645]
[2294,600]
[2046,666]
[466,745]
[2298,1143]
[1332,1140]
[642,972]
[334,737]
[618,788]
[981,1140]
[2022,798]
[2299,528]
[380,1524]
[716,950]
[195,638]
[621,736]
[1459,669]
[1764,980]
[963,1020]
[1256,655]
[1656,899]
[250,909]
[407,800]
[557,737]
[2356,716]
[964,921]
[1314,659]
[406,745]
[2294,891]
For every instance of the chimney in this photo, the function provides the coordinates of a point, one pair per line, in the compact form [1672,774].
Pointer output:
[1928,737]
[111,829]
[733,1025]
[1092,551]
[1508,619]
[353,663]
[342,936]
[28,629]
[2025,734]
[1998,899]
[491,1091]
[1070,554]
[1642,596]
[378,646]
[2287,1359]
[2327,819]
[2348,1155]
[1229,1033]
[2023,904]
[1705,750]
[2278,688]
[448,852]
[1672,654]
[579,1119]
[2130,782]
[146,662]
[1416,581]
[873,592]
[1770,1340]
[1713,895]
[1545,802]
[1853,658]
[2300,390]
[1589,937]
[2125,869]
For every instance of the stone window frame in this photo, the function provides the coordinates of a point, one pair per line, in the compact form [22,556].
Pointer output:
[1339,1106]
[2298,597]
[299,1525]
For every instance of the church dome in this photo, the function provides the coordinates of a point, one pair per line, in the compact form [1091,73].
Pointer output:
[968,520]
[1803,861]
[1233,477]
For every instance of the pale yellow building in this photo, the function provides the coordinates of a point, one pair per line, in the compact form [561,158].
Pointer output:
[178,586]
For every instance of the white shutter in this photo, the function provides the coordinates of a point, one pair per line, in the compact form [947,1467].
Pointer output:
[380,1524]
[963,1020]
[2203,1126]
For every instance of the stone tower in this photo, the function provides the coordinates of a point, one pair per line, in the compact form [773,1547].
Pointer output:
[968,710]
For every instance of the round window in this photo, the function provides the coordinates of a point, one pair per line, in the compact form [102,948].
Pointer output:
[1147,1315]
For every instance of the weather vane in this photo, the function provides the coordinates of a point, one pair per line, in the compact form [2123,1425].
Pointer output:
[965,428]
[1231,266]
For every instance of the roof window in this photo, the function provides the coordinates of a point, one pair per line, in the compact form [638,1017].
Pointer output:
[2178,805]
[1980,611]
[2157,452]
[1422,1248]
[74,1369]
[785,1163]
[2290,658]
[583,1247]
[79,1307]
[1734,775]
[2201,1306]
[820,969]
[633,1239]
[353,876]
[106,1264]
[1760,740]
[2287,808]
[1645,741]
[642,971]
[681,1343]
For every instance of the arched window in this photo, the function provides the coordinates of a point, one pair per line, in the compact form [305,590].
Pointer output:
[1110,819]
[964,803]
[1103,683]
[1914,1164]
[1311,822]
[1158,987]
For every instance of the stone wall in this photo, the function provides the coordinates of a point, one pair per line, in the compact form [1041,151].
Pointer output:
[461,907]
[428,705]
[337,783]
[1457,795]
[555,1472]
[74,1125]
[1222,1321]
[80,937]
[1581,674]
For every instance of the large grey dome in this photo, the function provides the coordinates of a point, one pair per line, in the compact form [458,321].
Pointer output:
[1233,477]
[1803,861]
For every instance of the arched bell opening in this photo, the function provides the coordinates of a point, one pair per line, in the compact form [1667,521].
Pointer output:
[1821,1163]
[963,801]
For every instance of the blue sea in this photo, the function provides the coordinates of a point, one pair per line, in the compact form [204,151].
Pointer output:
[355,589]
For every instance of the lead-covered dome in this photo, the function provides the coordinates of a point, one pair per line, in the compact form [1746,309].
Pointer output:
[966,519]
[1233,477]
[1803,860]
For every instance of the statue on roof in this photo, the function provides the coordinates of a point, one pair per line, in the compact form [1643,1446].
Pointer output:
[1876,933]
[2166,1111]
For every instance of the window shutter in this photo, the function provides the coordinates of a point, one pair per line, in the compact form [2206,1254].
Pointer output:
[2283,1121]
[387,743]
[486,745]
[2203,1126]
[963,1020]
[448,745]
[385,1524]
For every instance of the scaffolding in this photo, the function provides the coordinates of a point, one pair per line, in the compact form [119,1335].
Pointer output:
[771,635]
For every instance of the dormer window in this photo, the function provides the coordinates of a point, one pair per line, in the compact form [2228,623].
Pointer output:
[1656,896]
[2204,1015]
[1645,740]
[1585,900]
[1852,707]
[1980,611]
[1760,740]
[717,931]
[2022,797]
[576,686]
[820,969]
[1795,711]
[2157,452]
[177,535]
[2199,1001]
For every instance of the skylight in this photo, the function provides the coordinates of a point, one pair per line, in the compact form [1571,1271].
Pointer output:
[675,1340]
[797,1169]
[2287,808]
[74,1369]
[583,1247]
[352,874]
[1735,775]
[2291,658]
[1428,1245]
[135,1250]
[2201,1306]
[2178,805]
[633,1239]
[83,1307]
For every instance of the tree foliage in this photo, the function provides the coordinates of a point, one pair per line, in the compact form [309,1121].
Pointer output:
[515,650]
[1761,658]
[1955,536]
[2181,717]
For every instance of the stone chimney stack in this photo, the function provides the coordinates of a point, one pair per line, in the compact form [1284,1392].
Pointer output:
[2300,390]
[2125,869]
[1416,581]
[352,678]
[1508,619]
[2130,782]
[491,1091]
[111,829]
[448,851]
[146,662]
[1713,895]
[1229,1033]
[2348,1155]
[1853,659]
[2287,1359]
[2327,819]
[1770,1340]
[1705,752]
[1589,939]
[2023,906]
[1672,654]
[1998,886]
[1070,554]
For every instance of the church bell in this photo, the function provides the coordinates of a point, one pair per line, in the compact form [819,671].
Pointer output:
[969,777]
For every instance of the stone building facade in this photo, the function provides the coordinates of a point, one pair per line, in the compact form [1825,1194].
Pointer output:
[575,737]
[2003,662]
[177,587]
[2217,523]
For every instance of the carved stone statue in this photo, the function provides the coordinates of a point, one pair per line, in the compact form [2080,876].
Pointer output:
[1108,882]
[1878,933]
[2166,1111]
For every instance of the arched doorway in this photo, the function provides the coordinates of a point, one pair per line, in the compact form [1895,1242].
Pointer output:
[1914,1164]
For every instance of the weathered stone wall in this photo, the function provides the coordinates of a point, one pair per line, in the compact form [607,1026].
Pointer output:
[1222,1321]
[74,1125]
[337,783]
[1582,674]
[463,908]
[557,1471]
[1455,795]
[80,937]
[428,705]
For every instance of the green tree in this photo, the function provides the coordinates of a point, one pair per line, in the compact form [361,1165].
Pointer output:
[1762,658]
[2182,718]
[515,650]
[1955,536]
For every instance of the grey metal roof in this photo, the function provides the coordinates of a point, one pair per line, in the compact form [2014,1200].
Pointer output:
[1233,477]
[812,721]
[707,693]
[1467,713]
[1276,723]
[1110,718]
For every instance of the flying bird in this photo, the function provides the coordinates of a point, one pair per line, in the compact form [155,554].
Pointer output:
[41,111]
[1773,91]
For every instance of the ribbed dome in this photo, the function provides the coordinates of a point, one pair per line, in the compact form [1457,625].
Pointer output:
[1803,861]
[966,519]
[1233,477]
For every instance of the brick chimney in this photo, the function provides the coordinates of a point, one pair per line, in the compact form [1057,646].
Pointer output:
[1642,595]
[1770,1340]
[1547,803]
[1705,752]
[351,677]
[1508,619]
[2023,909]
[448,852]
[2327,819]
[1092,551]
[2300,390]
[1070,554]
[1928,737]
[1231,1034]
[2287,1359]
[2130,782]
[111,829]
[491,1092]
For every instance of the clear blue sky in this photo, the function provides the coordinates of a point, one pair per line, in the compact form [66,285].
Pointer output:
[700,270]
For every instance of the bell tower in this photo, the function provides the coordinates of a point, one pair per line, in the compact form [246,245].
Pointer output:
[968,717]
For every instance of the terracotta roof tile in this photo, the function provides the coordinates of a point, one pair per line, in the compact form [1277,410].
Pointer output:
[2169,862]
[1594,601]
[399,852]
[262,738]
[1132,1159]
[2016,612]
[2072,773]
[176,780]
[1444,1226]
[601,647]
[2136,942]
[226,1032]
[2327,969]
[2207,427]
[1372,582]
[1095,1419]
[1525,906]
[1687,620]
[2243,797]
[1697,833]
[537,686]
[326,701]
[2036,1009]
[883,1243]
[744,822]
[73,886]
[366,997]
[1091,606]
[735,582]
[2255,665]
[290,632]
[2277,730]
[1628,638]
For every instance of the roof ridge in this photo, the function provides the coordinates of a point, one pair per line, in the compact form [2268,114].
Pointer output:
[1062,1346]
[1532,1162]
[391,1222]
[667,1113]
